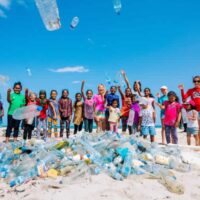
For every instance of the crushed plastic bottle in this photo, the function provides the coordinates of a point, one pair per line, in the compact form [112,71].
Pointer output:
[74,22]
[49,13]
[117,6]
[27,112]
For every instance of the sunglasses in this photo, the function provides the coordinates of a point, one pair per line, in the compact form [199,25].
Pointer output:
[196,81]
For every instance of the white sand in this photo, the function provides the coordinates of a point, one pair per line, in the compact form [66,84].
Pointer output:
[103,187]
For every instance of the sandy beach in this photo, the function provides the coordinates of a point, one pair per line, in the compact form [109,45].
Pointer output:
[102,187]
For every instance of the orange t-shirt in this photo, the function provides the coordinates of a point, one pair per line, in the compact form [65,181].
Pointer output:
[126,106]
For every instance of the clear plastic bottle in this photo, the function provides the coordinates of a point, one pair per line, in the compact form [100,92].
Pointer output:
[117,6]
[49,13]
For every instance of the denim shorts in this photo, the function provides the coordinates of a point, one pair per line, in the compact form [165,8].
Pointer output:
[193,131]
[148,130]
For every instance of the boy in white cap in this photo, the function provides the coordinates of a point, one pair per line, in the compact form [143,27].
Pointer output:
[147,120]
[161,100]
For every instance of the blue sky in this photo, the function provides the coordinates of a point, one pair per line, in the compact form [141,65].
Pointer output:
[155,41]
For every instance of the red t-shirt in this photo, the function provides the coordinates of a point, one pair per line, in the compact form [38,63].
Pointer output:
[43,112]
[126,106]
[194,93]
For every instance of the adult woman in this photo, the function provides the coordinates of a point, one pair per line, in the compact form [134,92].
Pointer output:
[194,94]
[99,101]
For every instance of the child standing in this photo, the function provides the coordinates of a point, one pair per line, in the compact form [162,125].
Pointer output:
[114,116]
[172,117]
[133,119]
[78,113]
[147,120]
[65,108]
[53,114]
[192,122]
[16,100]
[1,113]
[29,124]
[126,106]
[88,109]
[41,120]
[149,97]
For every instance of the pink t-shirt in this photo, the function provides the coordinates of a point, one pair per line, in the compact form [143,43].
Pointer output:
[89,108]
[171,112]
[99,102]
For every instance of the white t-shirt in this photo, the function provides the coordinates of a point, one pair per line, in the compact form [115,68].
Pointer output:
[150,101]
[184,115]
[114,115]
[147,117]
[192,123]
[131,118]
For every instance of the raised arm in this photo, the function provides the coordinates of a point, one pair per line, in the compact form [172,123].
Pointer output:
[125,79]
[162,107]
[183,94]
[82,89]
[8,96]
[121,93]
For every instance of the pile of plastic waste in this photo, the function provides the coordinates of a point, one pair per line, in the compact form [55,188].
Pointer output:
[113,154]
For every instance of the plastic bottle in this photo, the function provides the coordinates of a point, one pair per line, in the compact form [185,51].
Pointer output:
[49,13]
[27,112]
[117,6]
[126,168]
[74,22]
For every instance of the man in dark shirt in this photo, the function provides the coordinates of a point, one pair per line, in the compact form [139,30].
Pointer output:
[109,99]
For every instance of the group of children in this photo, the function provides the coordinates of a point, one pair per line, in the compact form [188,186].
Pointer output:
[137,112]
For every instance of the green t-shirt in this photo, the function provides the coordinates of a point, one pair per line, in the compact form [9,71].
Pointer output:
[17,101]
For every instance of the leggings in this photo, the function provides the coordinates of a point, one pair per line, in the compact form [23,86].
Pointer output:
[64,121]
[52,123]
[12,123]
[114,127]
[124,123]
[78,128]
[28,131]
[171,131]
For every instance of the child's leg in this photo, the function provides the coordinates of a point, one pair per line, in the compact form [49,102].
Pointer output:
[124,124]
[111,126]
[25,131]
[68,126]
[55,125]
[44,124]
[199,130]
[188,138]
[130,129]
[31,128]
[9,128]
[152,137]
[80,127]
[90,125]
[39,128]
[62,125]
[75,129]
[103,124]
[163,131]
[50,122]
[167,133]
[174,135]
[16,129]
[196,137]
[116,128]
[86,124]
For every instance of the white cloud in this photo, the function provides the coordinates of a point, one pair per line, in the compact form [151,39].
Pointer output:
[2,14]
[76,82]
[75,69]
[5,3]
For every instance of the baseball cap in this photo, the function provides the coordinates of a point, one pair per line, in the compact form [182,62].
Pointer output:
[164,87]
[190,102]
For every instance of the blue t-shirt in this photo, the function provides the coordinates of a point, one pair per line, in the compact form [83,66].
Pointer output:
[161,100]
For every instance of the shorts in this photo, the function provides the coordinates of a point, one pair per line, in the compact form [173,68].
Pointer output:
[148,130]
[100,114]
[193,131]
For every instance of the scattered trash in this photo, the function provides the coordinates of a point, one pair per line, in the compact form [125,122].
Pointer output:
[49,13]
[28,70]
[86,154]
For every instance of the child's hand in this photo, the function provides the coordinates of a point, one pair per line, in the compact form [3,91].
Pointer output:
[83,81]
[158,95]
[9,90]
[157,104]
[123,72]
[177,124]
[139,128]
[54,117]
[181,86]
